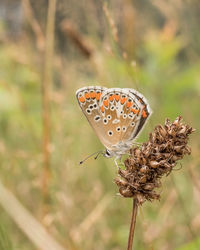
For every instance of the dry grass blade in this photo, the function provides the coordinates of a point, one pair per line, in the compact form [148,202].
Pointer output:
[5,241]
[47,80]
[184,209]
[78,233]
[40,40]
[76,37]
[26,222]
[153,231]
[111,22]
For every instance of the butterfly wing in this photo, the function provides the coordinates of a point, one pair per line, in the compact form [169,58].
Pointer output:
[142,117]
[89,99]
[116,115]
[121,110]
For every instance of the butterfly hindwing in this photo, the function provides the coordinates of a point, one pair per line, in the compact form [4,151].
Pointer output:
[124,109]
[145,114]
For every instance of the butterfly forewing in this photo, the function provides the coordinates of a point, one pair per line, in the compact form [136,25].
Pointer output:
[89,99]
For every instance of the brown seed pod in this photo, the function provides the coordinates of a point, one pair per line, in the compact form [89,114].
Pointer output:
[158,156]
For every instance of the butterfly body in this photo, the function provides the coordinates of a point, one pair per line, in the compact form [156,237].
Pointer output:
[117,115]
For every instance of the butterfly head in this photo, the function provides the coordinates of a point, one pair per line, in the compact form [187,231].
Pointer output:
[108,154]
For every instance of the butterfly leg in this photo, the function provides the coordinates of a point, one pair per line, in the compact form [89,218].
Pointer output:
[115,160]
[137,144]
[120,163]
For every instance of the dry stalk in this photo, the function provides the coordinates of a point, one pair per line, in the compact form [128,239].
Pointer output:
[28,11]
[111,22]
[114,30]
[156,158]
[77,38]
[47,80]
[132,226]
[26,222]
[79,233]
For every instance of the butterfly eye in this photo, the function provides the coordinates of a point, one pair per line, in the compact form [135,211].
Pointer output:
[95,106]
[118,129]
[130,116]
[110,133]
[109,117]
[107,154]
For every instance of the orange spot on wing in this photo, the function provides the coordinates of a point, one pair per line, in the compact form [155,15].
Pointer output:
[123,100]
[87,96]
[92,94]
[102,109]
[82,99]
[135,111]
[117,97]
[98,95]
[129,104]
[144,114]
[105,103]
[111,98]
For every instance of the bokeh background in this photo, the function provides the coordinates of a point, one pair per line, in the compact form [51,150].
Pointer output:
[49,49]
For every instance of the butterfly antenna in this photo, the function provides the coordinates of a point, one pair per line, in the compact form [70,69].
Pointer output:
[98,153]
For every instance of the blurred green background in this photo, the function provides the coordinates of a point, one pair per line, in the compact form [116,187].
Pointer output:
[151,46]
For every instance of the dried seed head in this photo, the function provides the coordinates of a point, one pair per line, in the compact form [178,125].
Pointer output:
[154,164]
[144,169]
[157,157]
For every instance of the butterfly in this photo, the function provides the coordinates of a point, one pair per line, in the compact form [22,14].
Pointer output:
[117,115]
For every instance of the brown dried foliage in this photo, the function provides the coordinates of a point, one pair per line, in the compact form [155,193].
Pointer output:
[155,158]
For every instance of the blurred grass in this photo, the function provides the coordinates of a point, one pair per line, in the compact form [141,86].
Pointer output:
[159,69]
[5,241]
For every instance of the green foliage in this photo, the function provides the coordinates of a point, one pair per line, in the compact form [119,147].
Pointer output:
[193,245]
[5,241]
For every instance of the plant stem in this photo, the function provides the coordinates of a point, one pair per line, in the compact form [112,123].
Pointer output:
[132,226]
[47,81]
